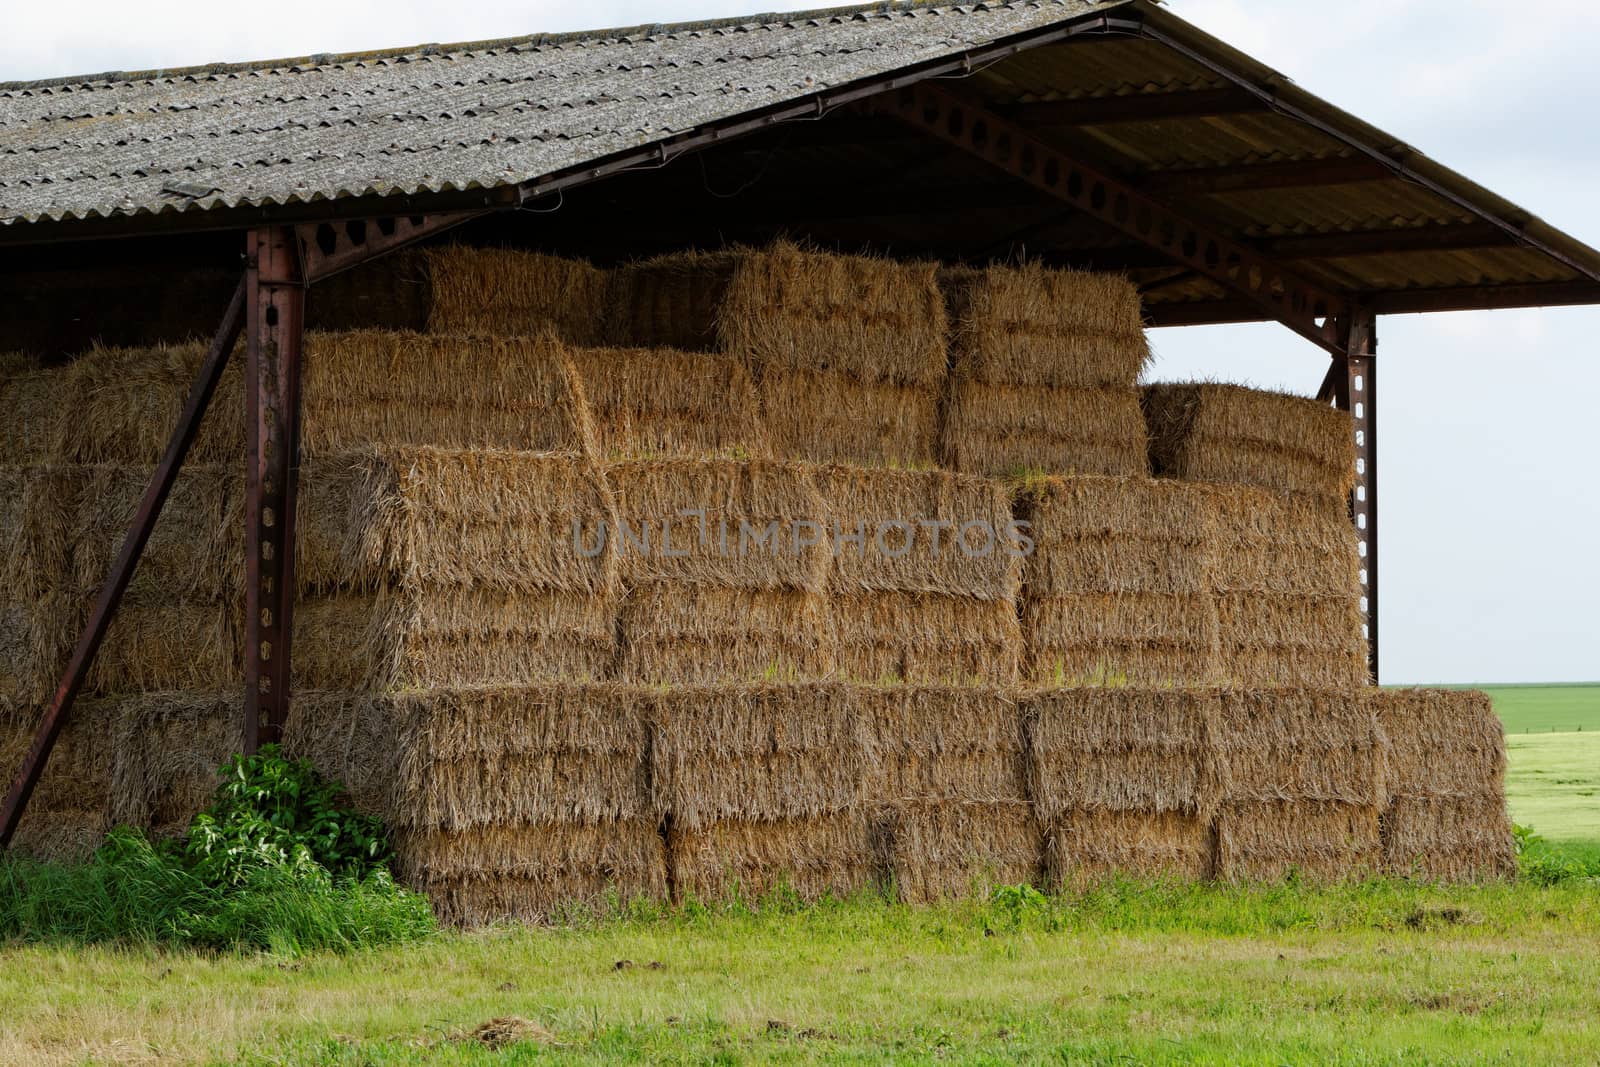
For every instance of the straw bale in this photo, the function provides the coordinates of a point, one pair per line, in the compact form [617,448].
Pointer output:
[353,739]
[196,549]
[671,301]
[36,637]
[534,874]
[1032,326]
[163,644]
[1102,639]
[1003,429]
[875,320]
[1142,752]
[425,636]
[943,743]
[828,856]
[38,405]
[1322,840]
[503,291]
[920,532]
[1229,433]
[37,529]
[68,815]
[706,522]
[926,639]
[392,292]
[1117,535]
[169,748]
[770,753]
[1299,745]
[1288,543]
[1448,839]
[660,401]
[503,520]
[386,387]
[1443,744]
[829,416]
[559,753]
[938,849]
[676,633]
[1089,846]
[124,404]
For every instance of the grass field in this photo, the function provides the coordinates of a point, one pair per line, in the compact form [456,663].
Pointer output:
[1547,708]
[1553,744]
[1381,974]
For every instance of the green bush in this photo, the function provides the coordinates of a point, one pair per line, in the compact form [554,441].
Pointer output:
[1547,863]
[274,863]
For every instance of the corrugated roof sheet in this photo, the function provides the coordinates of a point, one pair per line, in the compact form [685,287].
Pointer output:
[436,119]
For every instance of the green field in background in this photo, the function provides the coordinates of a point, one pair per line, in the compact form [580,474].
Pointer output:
[1544,709]
[1553,744]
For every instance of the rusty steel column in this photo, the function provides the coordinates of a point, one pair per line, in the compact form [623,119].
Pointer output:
[1354,380]
[275,301]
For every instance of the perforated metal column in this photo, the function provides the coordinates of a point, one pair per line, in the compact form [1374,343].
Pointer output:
[1356,391]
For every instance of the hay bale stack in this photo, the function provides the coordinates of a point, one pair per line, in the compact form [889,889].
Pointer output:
[39,607]
[394,388]
[1301,777]
[513,803]
[725,564]
[760,787]
[1445,815]
[195,551]
[926,569]
[169,748]
[1125,781]
[499,291]
[849,352]
[671,301]
[70,810]
[1118,589]
[1043,371]
[37,408]
[434,567]
[948,789]
[1287,579]
[1209,432]
[653,402]
[124,403]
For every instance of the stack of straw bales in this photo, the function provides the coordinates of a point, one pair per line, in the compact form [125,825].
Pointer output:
[1445,818]
[725,568]
[1125,781]
[1044,366]
[948,789]
[1118,588]
[510,293]
[1209,432]
[759,788]
[925,576]
[70,810]
[1287,579]
[1301,777]
[505,803]
[672,301]
[658,402]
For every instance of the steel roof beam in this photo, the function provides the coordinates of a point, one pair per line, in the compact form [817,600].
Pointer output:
[1305,307]
[1135,107]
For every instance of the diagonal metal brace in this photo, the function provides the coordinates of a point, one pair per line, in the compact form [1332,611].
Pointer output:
[329,248]
[1305,307]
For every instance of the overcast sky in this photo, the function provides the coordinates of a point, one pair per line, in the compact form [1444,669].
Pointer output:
[1490,515]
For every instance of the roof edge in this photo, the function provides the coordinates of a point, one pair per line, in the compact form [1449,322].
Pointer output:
[536,40]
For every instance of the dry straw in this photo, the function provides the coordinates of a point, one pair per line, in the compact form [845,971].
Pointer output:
[671,301]
[1446,815]
[1056,328]
[169,645]
[169,747]
[765,753]
[940,849]
[649,402]
[942,743]
[484,291]
[38,528]
[481,392]
[832,855]
[1228,433]
[37,408]
[1001,429]
[829,416]
[673,633]
[1090,846]
[195,551]
[872,319]
[71,805]
[436,636]
[1321,840]
[926,639]
[733,524]
[354,739]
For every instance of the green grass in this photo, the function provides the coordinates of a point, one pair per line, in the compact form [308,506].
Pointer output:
[1546,708]
[1375,974]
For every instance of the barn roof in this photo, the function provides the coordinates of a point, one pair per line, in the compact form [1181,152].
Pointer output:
[1146,97]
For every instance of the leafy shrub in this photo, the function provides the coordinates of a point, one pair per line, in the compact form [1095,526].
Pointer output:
[1546,863]
[274,863]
